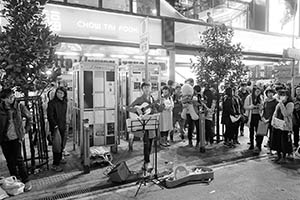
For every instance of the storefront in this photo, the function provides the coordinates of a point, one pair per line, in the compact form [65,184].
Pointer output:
[263,48]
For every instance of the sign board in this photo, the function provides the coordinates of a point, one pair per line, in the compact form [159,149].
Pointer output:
[71,22]
[144,36]
[292,53]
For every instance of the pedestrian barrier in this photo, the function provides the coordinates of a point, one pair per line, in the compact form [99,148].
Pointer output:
[35,150]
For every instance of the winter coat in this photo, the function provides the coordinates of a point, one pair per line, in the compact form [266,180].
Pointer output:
[57,114]
[19,111]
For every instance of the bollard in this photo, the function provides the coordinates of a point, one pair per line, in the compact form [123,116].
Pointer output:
[202,131]
[86,146]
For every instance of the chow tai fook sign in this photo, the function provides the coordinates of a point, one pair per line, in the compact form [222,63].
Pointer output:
[99,25]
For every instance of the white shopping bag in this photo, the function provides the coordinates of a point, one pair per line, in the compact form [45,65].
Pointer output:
[13,186]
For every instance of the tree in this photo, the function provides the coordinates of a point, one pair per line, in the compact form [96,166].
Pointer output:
[220,61]
[27,46]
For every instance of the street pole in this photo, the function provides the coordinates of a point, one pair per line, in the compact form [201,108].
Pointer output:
[146,67]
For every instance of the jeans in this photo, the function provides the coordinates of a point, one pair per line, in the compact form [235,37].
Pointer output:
[58,156]
[147,147]
[192,123]
[253,127]
[15,163]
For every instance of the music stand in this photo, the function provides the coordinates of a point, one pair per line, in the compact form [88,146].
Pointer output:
[145,124]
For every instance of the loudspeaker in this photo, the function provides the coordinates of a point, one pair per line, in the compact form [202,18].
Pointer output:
[119,173]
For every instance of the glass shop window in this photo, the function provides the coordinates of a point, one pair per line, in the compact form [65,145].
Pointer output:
[145,7]
[94,3]
[122,5]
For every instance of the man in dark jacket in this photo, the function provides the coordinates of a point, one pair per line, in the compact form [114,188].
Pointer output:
[12,134]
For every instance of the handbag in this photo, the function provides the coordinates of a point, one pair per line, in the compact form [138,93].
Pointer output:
[262,128]
[56,143]
[234,119]
[13,186]
[278,123]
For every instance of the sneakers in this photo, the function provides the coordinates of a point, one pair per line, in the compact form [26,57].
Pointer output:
[27,187]
[56,168]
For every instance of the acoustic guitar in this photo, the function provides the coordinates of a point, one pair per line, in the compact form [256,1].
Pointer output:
[146,108]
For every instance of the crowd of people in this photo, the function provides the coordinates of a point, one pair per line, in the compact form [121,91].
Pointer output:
[274,107]
[255,106]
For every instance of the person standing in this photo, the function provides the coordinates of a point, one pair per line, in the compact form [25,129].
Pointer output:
[12,134]
[281,138]
[166,121]
[267,113]
[230,108]
[243,93]
[57,117]
[296,117]
[210,102]
[146,97]
[253,104]
[177,111]
[209,19]
[238,102]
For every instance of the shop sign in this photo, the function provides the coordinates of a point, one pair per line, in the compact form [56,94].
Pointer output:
[99,25]
[144,36]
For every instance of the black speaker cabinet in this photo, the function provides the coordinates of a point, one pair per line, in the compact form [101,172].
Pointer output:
[119,173]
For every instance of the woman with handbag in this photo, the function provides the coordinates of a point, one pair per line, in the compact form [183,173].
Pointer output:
[282,124]
[253,105]
[166,116]
[267,113]
[57,115]
[230,117]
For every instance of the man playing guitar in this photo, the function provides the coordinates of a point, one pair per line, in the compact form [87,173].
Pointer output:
[154,107]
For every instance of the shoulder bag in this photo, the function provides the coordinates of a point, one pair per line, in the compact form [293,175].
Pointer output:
[276,122]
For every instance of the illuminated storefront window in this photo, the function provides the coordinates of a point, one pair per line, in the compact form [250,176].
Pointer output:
[94,3]
[145,7]
[122,5]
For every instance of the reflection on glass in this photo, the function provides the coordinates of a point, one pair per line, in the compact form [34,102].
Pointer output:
[122,5]
[281,16]
[94,3]
[145,7]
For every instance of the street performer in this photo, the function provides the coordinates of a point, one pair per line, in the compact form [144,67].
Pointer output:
[153,108]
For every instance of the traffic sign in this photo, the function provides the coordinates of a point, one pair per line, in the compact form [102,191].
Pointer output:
[144,36]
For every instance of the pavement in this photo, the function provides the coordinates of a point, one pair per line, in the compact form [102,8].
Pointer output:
[48,184]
